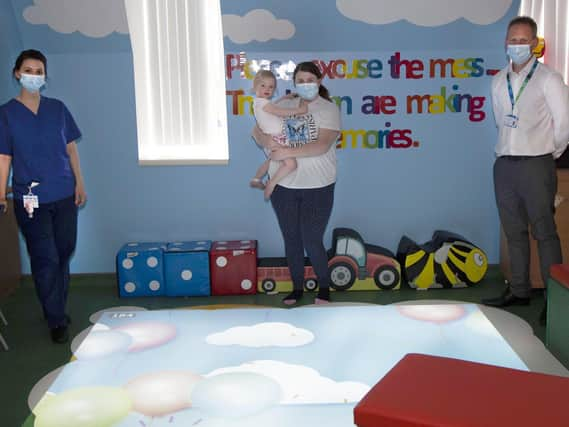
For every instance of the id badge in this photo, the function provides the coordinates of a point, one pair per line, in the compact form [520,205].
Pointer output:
[511,121]
[31,200]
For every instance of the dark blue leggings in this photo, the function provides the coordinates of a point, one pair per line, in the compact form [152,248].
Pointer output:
[303,215]
[50,238]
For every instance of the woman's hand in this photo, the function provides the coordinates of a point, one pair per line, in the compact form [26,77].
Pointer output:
[5,162]
[263,140]
[80,195]
[280,153]
[302,107]
[277,141]
[289,96]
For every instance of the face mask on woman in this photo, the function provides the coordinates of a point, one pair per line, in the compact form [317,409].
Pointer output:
[518,53]
[307,91]
[32,82]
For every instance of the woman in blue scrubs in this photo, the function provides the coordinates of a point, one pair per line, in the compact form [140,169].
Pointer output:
[37,140]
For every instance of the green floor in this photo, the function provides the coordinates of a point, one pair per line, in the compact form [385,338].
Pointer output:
[32,354]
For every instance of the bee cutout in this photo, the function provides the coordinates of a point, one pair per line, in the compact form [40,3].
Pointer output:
[448,260]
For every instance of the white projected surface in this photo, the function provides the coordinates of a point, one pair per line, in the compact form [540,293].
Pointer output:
[255,366]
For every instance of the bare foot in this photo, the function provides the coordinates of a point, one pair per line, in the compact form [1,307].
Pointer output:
[257,183]
[268,191]
[292,298]
[320,301]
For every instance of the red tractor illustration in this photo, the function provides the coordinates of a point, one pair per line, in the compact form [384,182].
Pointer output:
[354,259]
[350,259]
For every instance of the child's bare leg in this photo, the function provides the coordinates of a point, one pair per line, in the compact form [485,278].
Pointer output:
[286,167]
[257,180]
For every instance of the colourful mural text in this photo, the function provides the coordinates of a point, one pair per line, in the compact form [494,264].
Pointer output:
[448,98]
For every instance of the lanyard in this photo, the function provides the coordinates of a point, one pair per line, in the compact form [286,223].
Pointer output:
[524,84]
[32,185]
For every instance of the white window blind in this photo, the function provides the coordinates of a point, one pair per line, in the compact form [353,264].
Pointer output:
[552,18]
[177,48]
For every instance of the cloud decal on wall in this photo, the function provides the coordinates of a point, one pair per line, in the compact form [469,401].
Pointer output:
[92,18]
[437,12]
[257,25]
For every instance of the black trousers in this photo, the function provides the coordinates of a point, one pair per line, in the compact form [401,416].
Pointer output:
[303,215]
[525,189]
[50,236]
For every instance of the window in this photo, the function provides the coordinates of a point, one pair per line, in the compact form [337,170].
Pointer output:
[552,18]
[177,48]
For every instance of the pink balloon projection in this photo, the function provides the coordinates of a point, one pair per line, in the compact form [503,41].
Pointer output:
[438,314]
[148,334]
[162,393]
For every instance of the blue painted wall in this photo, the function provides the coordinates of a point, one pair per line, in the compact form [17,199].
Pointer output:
[10,46]
[446,183]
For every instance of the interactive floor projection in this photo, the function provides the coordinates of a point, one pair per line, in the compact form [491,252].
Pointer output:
[253,366]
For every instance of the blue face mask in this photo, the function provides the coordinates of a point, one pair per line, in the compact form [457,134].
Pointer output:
[519,53]
[307,91]
[32,82]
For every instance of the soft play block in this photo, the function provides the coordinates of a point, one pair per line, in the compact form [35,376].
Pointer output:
[423,391]
[557,329]
[233,267]
[140,269]
[186,268]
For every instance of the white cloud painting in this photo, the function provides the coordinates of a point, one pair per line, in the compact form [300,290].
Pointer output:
[426,13]
[257,25]
[91,18]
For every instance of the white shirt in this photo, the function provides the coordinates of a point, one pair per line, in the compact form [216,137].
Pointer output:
[269,123]
[542,110]
[317,171]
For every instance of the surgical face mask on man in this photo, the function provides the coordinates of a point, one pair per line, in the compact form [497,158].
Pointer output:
[32,82]
[307,91]
[519,53]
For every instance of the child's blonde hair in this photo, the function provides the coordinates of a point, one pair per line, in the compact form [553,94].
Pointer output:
[263,74]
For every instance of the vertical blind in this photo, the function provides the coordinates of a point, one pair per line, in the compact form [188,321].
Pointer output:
[552,18]
[177,48]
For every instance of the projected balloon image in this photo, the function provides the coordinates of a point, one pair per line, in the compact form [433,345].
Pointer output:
[147,335]
[161,393]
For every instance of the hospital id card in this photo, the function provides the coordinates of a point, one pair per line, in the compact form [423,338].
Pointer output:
[511,121]
[31,200]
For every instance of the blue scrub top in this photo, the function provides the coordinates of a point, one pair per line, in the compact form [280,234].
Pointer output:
[37,144]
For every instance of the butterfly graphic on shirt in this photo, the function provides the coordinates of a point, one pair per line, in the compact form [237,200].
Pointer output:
[296,130]
[300,130]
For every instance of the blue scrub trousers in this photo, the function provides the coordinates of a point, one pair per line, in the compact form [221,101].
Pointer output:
[50,235]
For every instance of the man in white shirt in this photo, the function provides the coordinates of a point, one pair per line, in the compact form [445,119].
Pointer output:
[531,109]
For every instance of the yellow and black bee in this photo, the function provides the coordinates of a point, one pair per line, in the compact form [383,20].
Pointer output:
[447,261]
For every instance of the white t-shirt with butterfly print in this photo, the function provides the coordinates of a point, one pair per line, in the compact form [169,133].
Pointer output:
[311,172]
